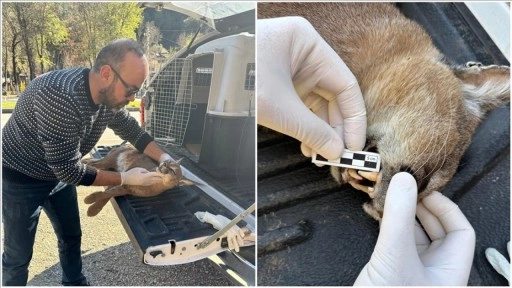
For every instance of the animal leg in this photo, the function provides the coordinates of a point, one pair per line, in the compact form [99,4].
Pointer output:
[99,199]
[93,197]
[96,207]
[371,209]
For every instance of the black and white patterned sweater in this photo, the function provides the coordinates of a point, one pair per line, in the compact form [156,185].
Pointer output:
[54,124]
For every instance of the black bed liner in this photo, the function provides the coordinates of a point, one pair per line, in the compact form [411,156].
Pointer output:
[313,232]
[238,186]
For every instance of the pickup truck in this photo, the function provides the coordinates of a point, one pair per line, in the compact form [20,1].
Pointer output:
[199,106]
[311,231]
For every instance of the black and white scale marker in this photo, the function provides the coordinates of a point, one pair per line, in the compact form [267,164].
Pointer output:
[359,160]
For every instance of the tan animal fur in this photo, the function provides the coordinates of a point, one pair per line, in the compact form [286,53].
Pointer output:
[124,158]
[421,112]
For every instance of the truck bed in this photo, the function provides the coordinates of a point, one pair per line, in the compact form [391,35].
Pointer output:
[157,220]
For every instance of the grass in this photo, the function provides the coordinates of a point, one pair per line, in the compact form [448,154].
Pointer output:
[9,104]
[134,104]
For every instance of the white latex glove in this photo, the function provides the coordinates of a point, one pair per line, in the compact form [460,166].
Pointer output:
[404,254]
[499,262]
[140,177]
[305,90]
[165,157]
[235,234]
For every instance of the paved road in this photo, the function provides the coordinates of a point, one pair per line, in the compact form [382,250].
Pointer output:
[108,257]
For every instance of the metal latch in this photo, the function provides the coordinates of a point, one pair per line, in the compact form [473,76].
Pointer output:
[221,232]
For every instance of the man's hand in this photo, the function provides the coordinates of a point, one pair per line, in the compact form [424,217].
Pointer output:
[165,158]
[405,255]
[140,177]
[305,90]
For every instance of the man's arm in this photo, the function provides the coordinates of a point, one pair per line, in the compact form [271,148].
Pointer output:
[107,178]
[154,151]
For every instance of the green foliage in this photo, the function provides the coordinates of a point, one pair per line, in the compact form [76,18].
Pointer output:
[51,34]
[98,24]
[55,30]
[63,34]
[8,104]
[70,34]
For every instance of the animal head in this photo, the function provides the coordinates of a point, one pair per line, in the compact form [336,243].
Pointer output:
[433,135]
[422,123]
[174,169]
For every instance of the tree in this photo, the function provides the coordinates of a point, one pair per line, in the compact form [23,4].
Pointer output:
[150,39]
[26,21]
[151,35]
[50,33]
[38,36]
[170,24]
[11,40]
[96,24]
[40,30]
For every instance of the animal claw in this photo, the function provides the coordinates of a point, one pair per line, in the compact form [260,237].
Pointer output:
[371,192]
[360,187]
[372,176]
[353,173]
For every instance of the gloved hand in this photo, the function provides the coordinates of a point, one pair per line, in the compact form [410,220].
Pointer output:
[165,157]
[235,234]
[305,90]
[140,177]
[499,262]
[404,255]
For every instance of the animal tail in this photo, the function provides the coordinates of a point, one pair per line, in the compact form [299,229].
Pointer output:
[98,200]
[484,87]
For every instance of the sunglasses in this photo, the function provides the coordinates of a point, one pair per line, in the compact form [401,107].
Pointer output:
[129,89]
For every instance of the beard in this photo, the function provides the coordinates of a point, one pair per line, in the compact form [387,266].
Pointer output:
[108,98]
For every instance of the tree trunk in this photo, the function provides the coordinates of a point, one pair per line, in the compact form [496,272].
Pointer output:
[14,77]
[26,35]
[4,69]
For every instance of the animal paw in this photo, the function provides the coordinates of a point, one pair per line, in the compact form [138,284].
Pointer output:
[368,182]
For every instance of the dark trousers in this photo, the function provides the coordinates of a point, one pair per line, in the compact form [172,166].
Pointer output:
[21,206]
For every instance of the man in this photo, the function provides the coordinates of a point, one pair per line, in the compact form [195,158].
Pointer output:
[58,118]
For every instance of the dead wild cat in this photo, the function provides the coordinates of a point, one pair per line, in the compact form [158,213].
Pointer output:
[124,158]
[421,112]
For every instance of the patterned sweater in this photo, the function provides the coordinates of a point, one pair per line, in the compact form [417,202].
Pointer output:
[54,124]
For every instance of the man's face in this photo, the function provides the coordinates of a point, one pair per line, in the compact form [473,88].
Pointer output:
[108,98]
[127,81]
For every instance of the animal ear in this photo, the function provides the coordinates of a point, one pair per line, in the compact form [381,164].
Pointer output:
[483,87]
[186,182]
